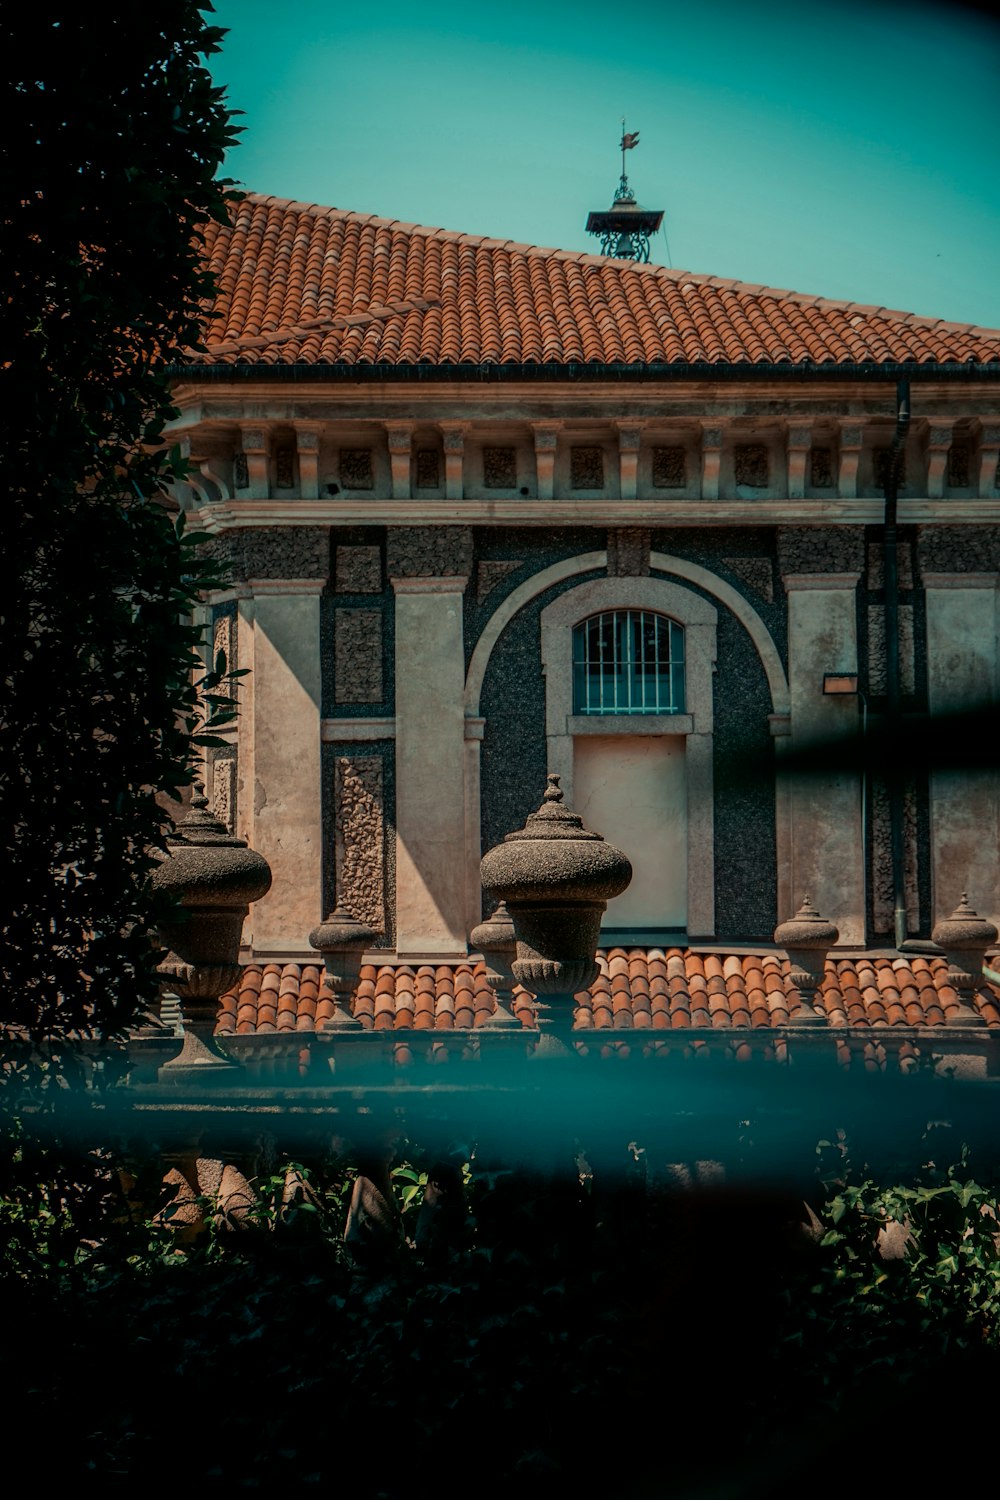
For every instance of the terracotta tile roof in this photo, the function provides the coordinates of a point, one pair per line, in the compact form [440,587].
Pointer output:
[639,989]
[299,283]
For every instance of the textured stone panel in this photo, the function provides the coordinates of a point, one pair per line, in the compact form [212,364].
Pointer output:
[360,838]
[821,549]
[490,574]
[277,552]
[358,570]
[755,571]
[880,467]
[430,551]
[224,791]
[428,469]
[355,469]
[241,471]
[876,648]
[284,465]
[958,467]
[669,468]
[881,897]
[224,642]
[876,565]
[821,469]
[959,549]
[500,468]
[628,552]
[357,656]
[750,464]
[586,468]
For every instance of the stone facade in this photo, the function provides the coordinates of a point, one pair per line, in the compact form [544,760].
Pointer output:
[360,838]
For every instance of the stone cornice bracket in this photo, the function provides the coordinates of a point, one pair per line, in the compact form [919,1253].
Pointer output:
[629,439]
[307,443]
[453,443]
[546,435]
[400,439]
[939,439]
[798,444]
[256,441]
[989,460]
[852,434]
[711,460]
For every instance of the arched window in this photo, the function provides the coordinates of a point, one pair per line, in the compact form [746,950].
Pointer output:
[628,661]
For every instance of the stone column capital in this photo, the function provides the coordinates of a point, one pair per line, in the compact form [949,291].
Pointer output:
[989,435]
[546,435]
[711,435]
[307,439]
[255,439]
[630,435]
[453,436]
[799,437]
[852,432]
[399,435]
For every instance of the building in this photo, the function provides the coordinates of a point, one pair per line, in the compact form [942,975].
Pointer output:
[494,510]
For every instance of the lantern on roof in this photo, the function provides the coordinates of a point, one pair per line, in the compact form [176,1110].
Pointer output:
[625,228]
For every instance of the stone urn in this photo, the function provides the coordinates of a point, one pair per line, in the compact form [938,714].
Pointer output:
[213,877]
[342,940]
[807,939]
[556,878]
[964,938]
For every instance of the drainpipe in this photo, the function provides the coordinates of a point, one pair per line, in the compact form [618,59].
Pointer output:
[894,776]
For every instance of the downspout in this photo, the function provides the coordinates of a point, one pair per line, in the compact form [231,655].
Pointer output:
[894,775]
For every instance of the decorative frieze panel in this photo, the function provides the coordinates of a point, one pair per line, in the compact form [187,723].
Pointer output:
[356,469]
[750,465]
[586,468]
[224,642]
[358,570]
[428,469]
[241,471]
[500,468]
[430,551]
[359,823]
[357,656]
[224,791]
[669,468]
[876,649]
[881,874]
[628,552]
[821,469]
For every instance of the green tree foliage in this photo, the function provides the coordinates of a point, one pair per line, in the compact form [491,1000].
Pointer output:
[113,135]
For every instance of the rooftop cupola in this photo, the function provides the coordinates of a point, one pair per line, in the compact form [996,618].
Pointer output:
[625,227]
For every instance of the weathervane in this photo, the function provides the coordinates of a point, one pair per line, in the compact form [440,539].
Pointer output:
[625,228]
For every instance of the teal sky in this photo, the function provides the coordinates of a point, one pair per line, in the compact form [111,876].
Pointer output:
[835,149]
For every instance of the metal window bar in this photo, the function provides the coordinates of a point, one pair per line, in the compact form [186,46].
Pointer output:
[628,662]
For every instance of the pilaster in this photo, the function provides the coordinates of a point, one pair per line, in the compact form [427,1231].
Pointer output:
[400,437]
[629,439]
[307,442]
[453,442]
[257,448]
[711,462]
[938,442]
[798,444]
[546,436]
[851,440]
[989,460]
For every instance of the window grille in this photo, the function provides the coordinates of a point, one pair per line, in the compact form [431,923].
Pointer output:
[628,661]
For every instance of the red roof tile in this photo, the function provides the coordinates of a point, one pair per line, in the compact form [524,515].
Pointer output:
[299,283]
[641,988]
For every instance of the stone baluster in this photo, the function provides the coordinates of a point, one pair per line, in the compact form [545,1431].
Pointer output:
[629,439]
[257,448]
[711,461]
[400,436]
[546,438]
[798,445]
[964,938]
[807,939]
[851,439]
[453,442]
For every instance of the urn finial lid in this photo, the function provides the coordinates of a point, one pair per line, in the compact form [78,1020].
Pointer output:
[965,928]
[199,825]
[553,819]
[341,930]
[496,934]
[807,929]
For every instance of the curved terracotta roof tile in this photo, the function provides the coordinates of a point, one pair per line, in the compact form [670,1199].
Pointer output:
[281,263]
